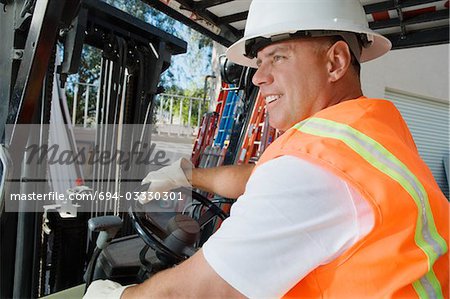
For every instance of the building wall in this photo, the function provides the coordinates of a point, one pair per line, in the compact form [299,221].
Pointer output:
[423,71]
[417,81]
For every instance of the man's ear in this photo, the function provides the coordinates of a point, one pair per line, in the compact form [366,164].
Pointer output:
[338,60]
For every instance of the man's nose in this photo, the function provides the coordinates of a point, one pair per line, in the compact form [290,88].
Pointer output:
[262,76]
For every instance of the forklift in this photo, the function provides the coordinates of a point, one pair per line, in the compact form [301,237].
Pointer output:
[50,245]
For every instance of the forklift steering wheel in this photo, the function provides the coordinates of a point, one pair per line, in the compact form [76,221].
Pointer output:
[175,243]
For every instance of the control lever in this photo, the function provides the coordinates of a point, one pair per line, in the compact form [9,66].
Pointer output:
[108,226]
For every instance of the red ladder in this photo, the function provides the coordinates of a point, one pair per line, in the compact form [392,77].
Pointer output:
[258,135]
[208,127]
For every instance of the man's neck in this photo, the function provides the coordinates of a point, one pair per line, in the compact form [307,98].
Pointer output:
[347,89]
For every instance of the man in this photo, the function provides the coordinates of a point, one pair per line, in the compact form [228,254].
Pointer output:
[339,206]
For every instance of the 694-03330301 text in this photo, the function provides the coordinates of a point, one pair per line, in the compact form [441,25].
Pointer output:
[128,196]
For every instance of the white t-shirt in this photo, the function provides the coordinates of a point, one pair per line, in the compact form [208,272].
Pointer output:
[293,217]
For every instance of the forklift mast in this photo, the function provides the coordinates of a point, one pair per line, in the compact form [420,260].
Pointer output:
[32,264]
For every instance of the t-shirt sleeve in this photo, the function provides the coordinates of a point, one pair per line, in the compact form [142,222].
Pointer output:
[293,217]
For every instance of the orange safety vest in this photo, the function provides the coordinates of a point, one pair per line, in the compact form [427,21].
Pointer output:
[366,143]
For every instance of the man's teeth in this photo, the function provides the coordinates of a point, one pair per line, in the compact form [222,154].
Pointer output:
[270,99]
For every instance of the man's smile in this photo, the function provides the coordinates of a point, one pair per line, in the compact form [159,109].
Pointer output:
[271,98]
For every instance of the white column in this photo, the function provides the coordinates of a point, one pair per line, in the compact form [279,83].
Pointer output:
[74,106]
[181,112]
[199,113]
[86,106]
[161,104]
[190,112]
[170,110]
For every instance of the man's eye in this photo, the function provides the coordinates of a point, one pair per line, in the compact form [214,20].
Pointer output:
[277,58]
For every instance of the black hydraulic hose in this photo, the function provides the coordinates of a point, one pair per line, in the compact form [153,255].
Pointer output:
[144,262]
[91,267]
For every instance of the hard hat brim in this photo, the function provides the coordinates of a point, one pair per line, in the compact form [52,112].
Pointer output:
[380,46]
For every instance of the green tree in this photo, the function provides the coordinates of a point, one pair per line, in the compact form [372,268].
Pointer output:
[192,66]
[89,72]
[135,8]
[187,93]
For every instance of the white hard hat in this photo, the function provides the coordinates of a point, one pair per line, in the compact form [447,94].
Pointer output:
[275,20]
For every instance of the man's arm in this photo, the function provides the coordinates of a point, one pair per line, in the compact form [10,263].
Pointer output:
[226,181]
[193,278]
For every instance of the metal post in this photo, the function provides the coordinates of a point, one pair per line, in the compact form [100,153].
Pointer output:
[38,49]
[86,106]
[74,106]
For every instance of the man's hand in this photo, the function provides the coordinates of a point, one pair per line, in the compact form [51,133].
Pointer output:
[227,181]
[104,289]
[168,178]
